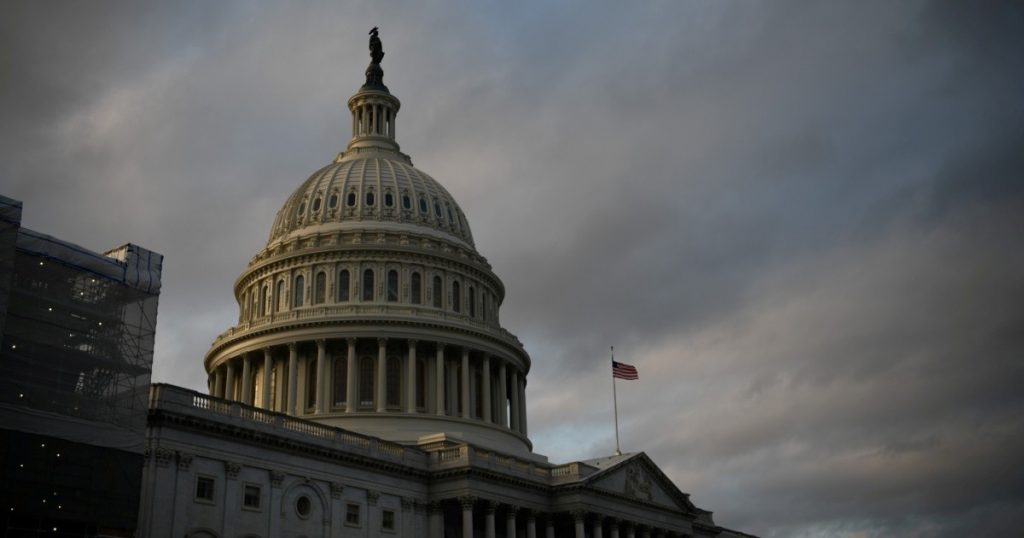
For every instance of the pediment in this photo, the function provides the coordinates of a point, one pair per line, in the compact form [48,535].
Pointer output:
[638,478]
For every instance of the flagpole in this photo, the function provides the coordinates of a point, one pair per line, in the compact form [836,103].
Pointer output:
[615,398]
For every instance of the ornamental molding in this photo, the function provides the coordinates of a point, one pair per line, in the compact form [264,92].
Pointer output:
[638,484]
[276,478]
[336,490]
[231,469]
[163,456]
[184,461]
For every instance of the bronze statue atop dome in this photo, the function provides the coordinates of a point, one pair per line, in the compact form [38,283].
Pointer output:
[374,74]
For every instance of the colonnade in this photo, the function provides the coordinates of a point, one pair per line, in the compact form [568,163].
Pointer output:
[373,119]
[351,375]
[504,520]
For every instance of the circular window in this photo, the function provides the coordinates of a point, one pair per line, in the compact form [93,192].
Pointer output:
[303,506]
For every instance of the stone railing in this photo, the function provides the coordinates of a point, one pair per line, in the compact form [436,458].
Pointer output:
[187,402]
[191,403]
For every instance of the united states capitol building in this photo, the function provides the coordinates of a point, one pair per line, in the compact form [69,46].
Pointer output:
[369,389]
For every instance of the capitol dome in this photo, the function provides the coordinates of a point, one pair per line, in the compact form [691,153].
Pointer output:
[370,309]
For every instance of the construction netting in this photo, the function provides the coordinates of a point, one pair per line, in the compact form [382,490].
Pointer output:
[78,340]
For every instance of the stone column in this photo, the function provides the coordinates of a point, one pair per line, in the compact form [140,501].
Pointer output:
[439,380]
[580,517]
[485,380]
[514,405]
[613,528]
[465,383]
[293,376]
[596,527]
[436,520]
[522,404]
[645,532]
[218,383]
[246,379]
[351,403]
[502,395]
[382,371]
[467,515]
[489,531]
[549,526]
[268,367]
[321,374]
[531,525]
[229,380]
[510,521]
[630,530]
[410,379]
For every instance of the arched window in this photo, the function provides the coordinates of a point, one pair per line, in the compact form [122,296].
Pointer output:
[369,199]
[394,382]
[316,205]
[421,383]
[423,205]
[416,288]
[340,381]
[311,367]
[392,286]
[332,202]
[389,199]
[406,202]
[320,288]
[302,209]
[343,286]
[456,298]
[472,302]
[298,291]
[243,306]
[351,199]
[263,300]
[437,210]
[282,301]
[366,382]
[255,310]
[368,285]
[437,292]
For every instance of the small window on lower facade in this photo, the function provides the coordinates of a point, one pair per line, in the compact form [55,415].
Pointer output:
[251,497]
[352,515]
[387,520]
[205,489]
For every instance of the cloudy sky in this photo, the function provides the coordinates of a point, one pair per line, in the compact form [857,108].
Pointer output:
[802,222]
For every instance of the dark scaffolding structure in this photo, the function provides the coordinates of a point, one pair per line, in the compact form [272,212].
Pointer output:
[77,355]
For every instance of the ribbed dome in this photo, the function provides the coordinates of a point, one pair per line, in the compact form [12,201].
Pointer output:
[378,191]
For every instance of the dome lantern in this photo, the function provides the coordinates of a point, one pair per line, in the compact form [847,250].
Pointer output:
[373,107]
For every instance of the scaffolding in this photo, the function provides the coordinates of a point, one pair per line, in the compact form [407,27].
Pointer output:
[79,331]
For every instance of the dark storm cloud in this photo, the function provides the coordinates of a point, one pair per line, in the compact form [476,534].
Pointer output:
[802,221]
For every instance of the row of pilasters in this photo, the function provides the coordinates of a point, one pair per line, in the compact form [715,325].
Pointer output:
[473,517]
[500,393]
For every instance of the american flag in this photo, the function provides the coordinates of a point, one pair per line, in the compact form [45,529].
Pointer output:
[622,370]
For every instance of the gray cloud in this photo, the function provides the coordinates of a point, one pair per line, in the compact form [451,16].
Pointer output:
[800,220]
